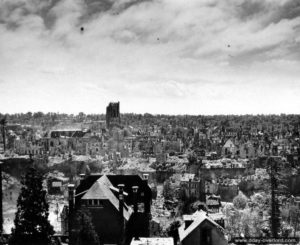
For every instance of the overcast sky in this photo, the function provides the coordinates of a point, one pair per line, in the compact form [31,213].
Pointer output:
[156,56]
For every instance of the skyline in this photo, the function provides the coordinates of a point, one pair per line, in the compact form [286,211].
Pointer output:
[102,113]
[161,57]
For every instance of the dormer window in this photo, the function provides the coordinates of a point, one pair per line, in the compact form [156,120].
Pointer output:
[94,203]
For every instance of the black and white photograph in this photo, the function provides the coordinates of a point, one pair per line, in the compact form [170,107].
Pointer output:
[149,122]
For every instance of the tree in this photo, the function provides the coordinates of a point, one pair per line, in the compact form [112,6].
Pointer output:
[278,176]
[294,219]
[173,230]
[31,222]
[259,199]
[84,231]
[233,217]
[81,115]
[38,114]
[240,201]
[126,133]
[274,211]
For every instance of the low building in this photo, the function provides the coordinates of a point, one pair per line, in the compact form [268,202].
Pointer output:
[229,148]
[25,147]
[67,140]
[56,183]
[192,187]
[228,189]
[94,146]
[247,150]
[200,229]
[213,203]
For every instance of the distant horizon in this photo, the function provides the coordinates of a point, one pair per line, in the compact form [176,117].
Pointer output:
[155,114]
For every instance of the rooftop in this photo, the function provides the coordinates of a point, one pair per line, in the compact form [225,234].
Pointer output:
[101,189]
[187,177]
[198,217]
[153,241]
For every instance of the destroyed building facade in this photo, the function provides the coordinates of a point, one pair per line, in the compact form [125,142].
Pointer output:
[113,114]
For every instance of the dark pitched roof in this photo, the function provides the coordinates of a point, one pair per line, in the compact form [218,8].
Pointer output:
[101,189]
[128,180]
[86,183]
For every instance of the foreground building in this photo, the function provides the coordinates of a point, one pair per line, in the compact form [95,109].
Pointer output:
[119,206]
[201,230]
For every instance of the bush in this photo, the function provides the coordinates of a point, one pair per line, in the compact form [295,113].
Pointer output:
[240,201]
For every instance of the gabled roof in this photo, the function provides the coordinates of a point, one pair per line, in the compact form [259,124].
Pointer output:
[127,180]
[228,143]
[86,183]
[101,190]
[199,217]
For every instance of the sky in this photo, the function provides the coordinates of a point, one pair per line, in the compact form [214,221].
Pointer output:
[156,56]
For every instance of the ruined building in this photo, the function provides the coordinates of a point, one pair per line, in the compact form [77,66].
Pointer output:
[113,114]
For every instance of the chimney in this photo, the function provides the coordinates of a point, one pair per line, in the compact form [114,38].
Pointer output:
[71,197]
[71,210]
[146,177]
[81,178]
[147,203]
[135,205]
[121,210]
[135,208]
[146,197]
